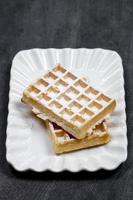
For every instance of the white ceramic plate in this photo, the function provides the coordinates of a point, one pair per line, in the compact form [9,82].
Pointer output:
[28,144]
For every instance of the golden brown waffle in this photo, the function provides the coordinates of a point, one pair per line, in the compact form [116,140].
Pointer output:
[65,142]
[69,101]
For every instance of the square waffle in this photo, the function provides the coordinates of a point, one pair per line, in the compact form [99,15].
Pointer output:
[64,142]
[69,101]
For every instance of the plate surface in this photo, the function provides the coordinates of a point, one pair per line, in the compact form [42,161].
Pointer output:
[28,144]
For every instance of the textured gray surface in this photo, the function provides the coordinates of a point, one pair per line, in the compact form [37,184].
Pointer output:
[42,24]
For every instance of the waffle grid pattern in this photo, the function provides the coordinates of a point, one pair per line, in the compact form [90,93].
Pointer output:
[68,96]
[62,136]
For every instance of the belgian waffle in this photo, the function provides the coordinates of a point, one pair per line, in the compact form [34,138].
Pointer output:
[69,101]
[64,142]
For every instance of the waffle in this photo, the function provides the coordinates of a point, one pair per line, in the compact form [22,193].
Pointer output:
[69,101]
[65,142]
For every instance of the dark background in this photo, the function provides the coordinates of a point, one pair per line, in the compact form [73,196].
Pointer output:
[94,23]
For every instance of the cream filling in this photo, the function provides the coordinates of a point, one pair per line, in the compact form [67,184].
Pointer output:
[45,117]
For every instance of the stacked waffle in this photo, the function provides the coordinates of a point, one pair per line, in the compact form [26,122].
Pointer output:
[73,111]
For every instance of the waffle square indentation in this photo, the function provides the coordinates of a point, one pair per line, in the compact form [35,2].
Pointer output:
[55,106]
[61,85]
[91,93]
[44,98]
[66,113]
[41,84]
[69,77]
[95,107]
[50,77]
[103,100]
[33,91]
[63,99]
[53,91]
[84,100]
[72,92]
[59,70]
[86,113]
[80,85]
[78,120]
[74,106]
